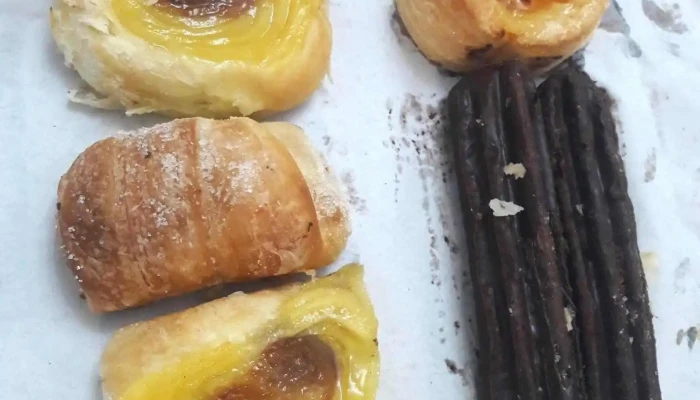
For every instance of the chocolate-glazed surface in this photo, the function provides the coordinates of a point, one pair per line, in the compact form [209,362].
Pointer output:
[295,368]
[206,8]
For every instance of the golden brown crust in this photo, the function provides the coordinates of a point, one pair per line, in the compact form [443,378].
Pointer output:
[465,34]
[193,203]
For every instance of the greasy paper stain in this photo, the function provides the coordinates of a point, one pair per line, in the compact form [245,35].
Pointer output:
[421,146]
[675,49]
[691,334]
[330,146]
[399,29]
[634,50]
[668,19]
[390,112]
[358,203]
[421,141]
[656,99]
[679,275]
[614,22]
[454,370]
[650,167]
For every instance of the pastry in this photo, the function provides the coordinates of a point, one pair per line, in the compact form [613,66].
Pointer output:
[561,299]
[461,35]
[195,202]
[315,341]
[207,58]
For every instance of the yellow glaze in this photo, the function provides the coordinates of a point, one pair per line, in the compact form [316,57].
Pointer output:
[335,308]
[461,35]
[149,58]
[272,30]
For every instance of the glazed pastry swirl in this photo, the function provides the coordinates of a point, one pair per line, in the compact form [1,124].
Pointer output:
[461,35]
[259,31]
[211,58]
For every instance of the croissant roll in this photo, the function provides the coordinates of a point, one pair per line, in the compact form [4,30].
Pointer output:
[193,203]
[461,35]
[313,341]
[207,58]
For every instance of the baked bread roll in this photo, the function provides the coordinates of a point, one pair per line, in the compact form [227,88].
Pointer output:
[461,35]
[195,202]
[207,58]
[315,341]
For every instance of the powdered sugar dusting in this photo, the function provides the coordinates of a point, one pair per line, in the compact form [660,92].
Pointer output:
[208,157]
[244,178]
[330,199]
[326,193]
[160,212]
[173,170]
[239,174]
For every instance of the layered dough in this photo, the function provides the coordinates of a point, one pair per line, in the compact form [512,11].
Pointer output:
[195,202]
[461,35]
[312,341]
[210,58]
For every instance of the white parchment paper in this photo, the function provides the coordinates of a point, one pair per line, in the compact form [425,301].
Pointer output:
[378,123]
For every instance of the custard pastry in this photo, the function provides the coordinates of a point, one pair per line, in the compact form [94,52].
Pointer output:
[460,35]
[209,58]
[193,203]
[313,341]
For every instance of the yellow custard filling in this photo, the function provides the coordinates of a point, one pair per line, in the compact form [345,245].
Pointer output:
[334,309]
[270,29]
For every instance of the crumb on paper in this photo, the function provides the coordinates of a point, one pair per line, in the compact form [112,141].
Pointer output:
[516,170]
[89,98]
[649,261]
[579,208]
[504,208]
[568,315]
[650,266]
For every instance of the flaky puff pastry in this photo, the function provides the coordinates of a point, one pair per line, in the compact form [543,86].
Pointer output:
[461,35]
[151,56]
[322,333]
[196,202]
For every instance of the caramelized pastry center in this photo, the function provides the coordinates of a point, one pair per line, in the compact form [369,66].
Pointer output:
[205,8]
[296,368]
